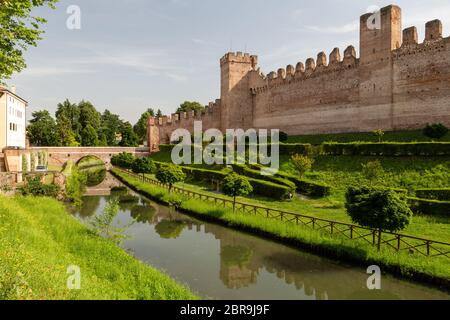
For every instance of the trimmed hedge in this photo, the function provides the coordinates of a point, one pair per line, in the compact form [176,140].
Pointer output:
[256,174]
[434,194]
[260,187]
[387,149]
[429,207]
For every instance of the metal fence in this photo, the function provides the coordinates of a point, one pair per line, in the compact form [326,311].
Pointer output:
[396,241]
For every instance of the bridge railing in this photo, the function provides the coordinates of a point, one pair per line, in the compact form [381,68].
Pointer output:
[396,241]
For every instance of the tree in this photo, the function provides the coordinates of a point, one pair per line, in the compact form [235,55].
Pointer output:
[110,127]
[435,131]
[235,185]
[42,129]
[140,128]
[143,165]
[89,115]
[159,114]
[123,160]
[380,209]
[379,134]
[190,106]
[65,134]
[170,174]
[18,30]
[129,137]
[89,137]
[71,112]
[301,164]
[284,137]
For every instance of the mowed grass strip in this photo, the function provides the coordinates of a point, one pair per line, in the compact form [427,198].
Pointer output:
[39,240]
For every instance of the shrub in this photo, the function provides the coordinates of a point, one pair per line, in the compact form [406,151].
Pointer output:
[143,165]
[75,184]
[301,164]
[434,194]
[284,136]
[435,131]
[35,187]
[379,134]
[372,170]
[381,209]
[24,164]
[123,160]
[389,149]
[235,185]
[429,207]
[170,174]
[256,174]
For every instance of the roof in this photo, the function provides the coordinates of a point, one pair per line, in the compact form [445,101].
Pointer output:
[3,90]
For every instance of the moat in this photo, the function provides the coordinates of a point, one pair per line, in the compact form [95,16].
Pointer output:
[220,263]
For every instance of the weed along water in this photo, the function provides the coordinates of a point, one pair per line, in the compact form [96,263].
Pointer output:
[219,263]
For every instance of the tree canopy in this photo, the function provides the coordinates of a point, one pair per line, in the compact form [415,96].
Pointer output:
[235,185]
[42,129]
[140,128]
[19,29]
[190,106]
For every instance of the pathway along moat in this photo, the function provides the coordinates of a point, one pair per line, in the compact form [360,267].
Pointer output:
[220,263]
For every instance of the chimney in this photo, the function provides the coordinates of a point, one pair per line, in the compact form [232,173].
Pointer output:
[13,89]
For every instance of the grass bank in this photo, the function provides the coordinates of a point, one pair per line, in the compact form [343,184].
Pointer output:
[39,240]
[435,271]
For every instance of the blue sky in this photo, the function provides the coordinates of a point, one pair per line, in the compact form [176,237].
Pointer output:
[134,54]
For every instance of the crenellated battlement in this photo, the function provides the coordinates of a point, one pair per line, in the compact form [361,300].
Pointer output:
[396,83]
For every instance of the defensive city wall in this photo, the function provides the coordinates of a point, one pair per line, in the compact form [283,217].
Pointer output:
[397,83]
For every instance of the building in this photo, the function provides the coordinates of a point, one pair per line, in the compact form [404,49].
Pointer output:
[12,119]
[396,83]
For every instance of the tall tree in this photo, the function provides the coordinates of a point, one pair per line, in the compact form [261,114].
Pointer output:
[89,137]
[71,113]
[42,129]
[129,137]
[18,30]
[89,115]
[65,134]
[140,128]
[111,126]
[190,106]
[159,113]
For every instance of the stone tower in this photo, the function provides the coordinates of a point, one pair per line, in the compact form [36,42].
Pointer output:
[236,98]
[380,34]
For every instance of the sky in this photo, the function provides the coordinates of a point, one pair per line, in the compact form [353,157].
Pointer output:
[130,55]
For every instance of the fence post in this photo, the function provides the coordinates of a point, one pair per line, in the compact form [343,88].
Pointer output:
[428,248]
[399,242]
[351,232]
[332,227]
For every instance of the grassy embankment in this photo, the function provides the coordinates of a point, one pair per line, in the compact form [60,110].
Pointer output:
[39,240]
[434,270]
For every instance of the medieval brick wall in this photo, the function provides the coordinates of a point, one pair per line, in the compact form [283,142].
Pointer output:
[397,83]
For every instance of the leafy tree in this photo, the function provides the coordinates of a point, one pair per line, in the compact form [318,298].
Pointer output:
[129,137]
[65,134]
[379,134]
[235,185]
[170,174]
[42,129]
[190,106]
[435,131]
[89,115]
[159,114]
[89,137]
[143,165]
[111,125]
[18,30]
[301,163]
[381,209]
[140,128]
[71,113]
[372,170]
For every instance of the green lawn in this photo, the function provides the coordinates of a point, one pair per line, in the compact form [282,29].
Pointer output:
[39,240]
[393,136]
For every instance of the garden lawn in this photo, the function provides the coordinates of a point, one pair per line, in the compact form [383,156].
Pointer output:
[39,240]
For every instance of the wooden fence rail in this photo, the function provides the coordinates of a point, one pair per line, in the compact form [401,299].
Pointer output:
[396,241]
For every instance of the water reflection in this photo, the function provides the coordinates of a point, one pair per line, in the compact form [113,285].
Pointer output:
[221,263]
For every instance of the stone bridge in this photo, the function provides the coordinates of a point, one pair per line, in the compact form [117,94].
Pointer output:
[58,156]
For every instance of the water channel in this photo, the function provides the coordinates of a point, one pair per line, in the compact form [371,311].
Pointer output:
[220,263]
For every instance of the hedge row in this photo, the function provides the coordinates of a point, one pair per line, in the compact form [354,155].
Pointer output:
[429,207]
[387,149]
[304,186]
[434,194]
[260,187]
[256,174]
